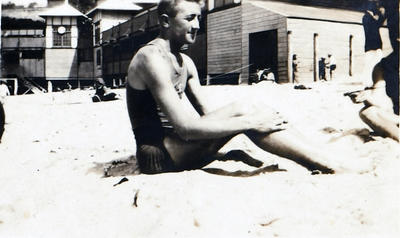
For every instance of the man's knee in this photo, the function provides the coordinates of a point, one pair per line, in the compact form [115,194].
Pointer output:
[368,114]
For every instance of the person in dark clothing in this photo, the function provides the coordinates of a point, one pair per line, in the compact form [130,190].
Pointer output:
[295,68]
[176,128]
[2,120]
[102,93]
[372,21]
[322,69]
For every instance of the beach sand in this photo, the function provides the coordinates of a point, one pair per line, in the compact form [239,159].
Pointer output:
[51,184]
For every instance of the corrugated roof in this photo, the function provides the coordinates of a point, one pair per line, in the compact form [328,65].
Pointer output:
[62,10]
[23,13]
[121,5]
[307,12]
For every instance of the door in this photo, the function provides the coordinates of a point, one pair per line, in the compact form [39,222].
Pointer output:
[263,51]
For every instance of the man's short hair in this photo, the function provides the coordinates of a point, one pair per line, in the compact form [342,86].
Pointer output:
[169,6]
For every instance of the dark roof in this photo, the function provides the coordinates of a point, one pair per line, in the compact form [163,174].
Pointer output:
[23,13]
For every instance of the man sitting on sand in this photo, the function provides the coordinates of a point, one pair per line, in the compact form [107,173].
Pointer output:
[174,126]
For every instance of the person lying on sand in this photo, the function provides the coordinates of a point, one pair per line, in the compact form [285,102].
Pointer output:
[174,126]
[102,92]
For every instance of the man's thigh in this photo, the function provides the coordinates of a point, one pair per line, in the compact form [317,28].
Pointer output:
[192,154]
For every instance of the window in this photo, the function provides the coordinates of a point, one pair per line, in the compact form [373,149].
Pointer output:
[98,57]
[32,54]
[61,36]
[97,33]
[11,57]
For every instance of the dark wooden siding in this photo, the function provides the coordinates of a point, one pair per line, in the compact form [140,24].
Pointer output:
[224,43]
[256,20]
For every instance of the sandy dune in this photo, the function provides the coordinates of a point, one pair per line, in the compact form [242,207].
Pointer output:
[51,186]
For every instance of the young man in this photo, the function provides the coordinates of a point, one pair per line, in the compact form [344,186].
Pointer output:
[173,125]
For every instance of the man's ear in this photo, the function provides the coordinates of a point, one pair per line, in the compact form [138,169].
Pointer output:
[164,20]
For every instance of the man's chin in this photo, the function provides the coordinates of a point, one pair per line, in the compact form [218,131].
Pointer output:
[190,39]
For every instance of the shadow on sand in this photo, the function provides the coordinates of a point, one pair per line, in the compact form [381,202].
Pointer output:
[129,166]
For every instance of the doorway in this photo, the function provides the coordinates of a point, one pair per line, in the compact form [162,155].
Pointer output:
[263,52]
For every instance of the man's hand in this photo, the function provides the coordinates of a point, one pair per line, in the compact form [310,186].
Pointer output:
[374,97]
[267,120]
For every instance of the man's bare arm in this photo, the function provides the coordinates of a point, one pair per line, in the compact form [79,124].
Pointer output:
[154,72]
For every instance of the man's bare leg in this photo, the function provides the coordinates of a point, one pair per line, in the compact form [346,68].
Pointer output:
[288,143]
[193,154]
[382,122]
[292,145]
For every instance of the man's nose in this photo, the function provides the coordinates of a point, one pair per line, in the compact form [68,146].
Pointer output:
[196,24]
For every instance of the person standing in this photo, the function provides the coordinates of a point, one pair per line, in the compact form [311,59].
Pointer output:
[331,65]
[4,91]
[295,65]
[372,21]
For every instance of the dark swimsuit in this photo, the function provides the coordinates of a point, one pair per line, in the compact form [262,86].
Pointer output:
[150,125]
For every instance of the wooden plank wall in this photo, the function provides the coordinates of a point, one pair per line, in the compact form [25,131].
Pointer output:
[32,67]
[256,19]
[224,43]
[333,37]
[68,62]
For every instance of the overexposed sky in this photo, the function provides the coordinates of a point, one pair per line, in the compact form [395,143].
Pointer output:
[40,3]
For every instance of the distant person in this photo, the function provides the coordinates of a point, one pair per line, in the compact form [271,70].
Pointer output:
[265,75]
[295,65]
[102,93]
[372,21]
[322,69]
[4,92]
[331,65]
[176,128]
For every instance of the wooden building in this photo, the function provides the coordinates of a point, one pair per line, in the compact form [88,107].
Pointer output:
[265,34]
[22,45]
[67,37]
[106,15]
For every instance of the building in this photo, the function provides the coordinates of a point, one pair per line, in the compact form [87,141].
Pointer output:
[236,38]
[68,46]
[266,34]
[106,15]
[22,46]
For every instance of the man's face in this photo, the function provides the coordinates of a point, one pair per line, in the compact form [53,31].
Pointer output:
[185,24]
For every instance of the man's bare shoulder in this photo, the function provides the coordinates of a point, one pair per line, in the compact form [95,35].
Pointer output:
[146,55]
[188,61]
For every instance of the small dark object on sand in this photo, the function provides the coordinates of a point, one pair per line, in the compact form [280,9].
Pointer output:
[301,86]
[123,180]
[135,198]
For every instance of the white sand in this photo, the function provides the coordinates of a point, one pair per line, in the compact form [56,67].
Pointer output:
[49,187]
